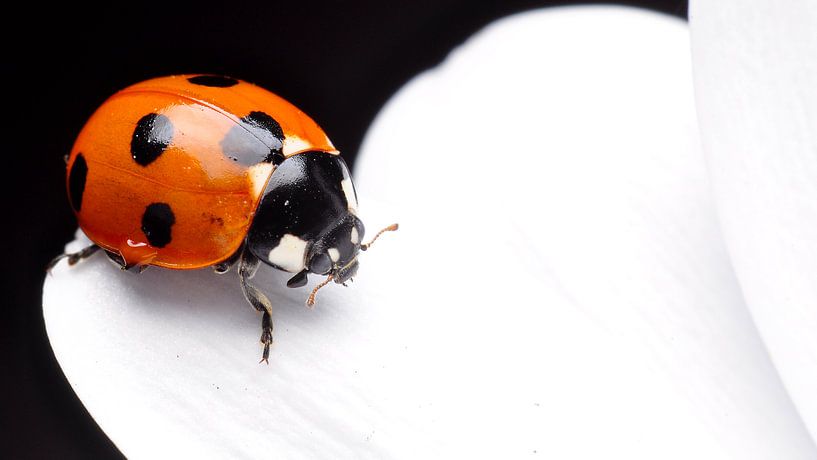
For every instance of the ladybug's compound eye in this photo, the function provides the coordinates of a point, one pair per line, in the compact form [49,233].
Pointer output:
[320,264]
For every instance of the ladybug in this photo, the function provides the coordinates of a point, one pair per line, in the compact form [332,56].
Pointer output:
[193,171]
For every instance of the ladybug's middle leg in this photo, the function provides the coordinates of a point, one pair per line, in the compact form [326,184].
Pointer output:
[246,270]
[73,257]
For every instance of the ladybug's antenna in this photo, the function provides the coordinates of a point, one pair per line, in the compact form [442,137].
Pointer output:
[390,228]
[310,302]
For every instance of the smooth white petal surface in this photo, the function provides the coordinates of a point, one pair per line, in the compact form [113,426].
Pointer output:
[756,87]
[558,288]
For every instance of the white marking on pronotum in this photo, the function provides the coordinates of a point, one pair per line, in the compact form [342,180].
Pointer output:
[294,144]
[355,237]
[349,191]
[290,253]
[259,173]
[334,254]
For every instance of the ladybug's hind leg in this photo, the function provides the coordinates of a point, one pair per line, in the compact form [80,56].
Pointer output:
[73,257]
[246,270]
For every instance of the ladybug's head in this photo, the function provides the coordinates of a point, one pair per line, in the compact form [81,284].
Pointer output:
[334,252]
[307,220]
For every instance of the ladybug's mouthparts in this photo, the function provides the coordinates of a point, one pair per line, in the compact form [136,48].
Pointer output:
[344,273]
[340,276]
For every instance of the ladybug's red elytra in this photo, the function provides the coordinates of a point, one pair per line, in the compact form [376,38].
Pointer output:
[191,171]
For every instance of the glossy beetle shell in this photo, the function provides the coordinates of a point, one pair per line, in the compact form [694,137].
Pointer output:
[170,171]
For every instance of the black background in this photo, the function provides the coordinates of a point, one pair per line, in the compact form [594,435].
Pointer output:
[338,61]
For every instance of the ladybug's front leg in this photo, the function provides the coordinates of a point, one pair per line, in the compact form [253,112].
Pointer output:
[73,257]
[246,270]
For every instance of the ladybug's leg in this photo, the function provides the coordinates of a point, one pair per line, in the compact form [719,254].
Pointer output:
[119,261]
[224,267]
[246,270]
[73,257]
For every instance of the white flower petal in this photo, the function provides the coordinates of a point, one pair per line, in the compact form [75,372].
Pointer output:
[558,285]
[756,86]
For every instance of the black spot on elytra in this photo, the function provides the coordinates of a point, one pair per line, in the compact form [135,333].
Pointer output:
[257,138]
[152,135]
[76,181]
[156,223]
[265,122]
[276,158]
[216,81]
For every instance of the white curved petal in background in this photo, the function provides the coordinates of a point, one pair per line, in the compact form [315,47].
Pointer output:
[756,89]
[558,288]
